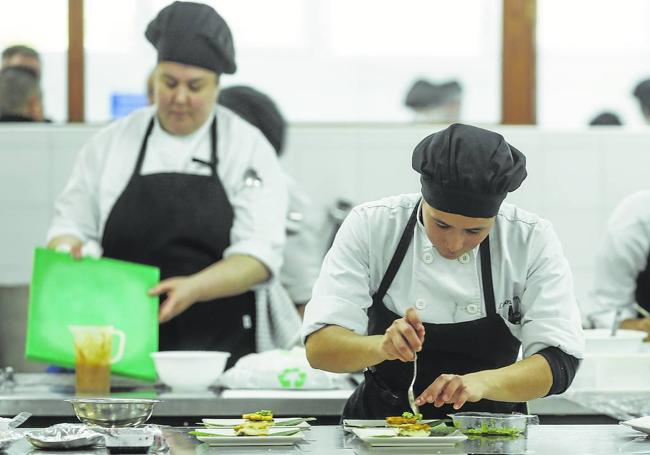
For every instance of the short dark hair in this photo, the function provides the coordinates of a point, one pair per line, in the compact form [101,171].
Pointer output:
[20,49]
[17,85]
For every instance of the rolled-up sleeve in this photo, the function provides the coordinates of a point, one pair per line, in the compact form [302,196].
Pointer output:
[550,311]
[260,209]
[76,210]
[341,295]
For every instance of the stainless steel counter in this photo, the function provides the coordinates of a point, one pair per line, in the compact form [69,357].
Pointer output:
[44,395]
[325,440]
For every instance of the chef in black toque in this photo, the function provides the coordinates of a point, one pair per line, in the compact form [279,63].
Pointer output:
[187,186]
[454,275]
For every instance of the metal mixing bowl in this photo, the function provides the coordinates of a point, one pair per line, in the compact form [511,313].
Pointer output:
[113,412]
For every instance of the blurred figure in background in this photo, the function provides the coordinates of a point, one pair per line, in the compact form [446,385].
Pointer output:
[186,186]
[20,96]
[437,103]
[621,292]
[642,94]
[305,247]
[24,56]
[606,119]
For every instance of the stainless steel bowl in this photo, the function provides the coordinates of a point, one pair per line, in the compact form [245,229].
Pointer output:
[113,412]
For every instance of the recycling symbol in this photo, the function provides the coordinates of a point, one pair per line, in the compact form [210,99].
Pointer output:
[292,378]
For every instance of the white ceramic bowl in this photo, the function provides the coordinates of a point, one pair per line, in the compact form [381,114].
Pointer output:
[625,341]
[189,370]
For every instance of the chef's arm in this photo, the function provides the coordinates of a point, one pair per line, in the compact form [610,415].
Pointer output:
[334,348]
[548,372]
[522,381]
[233,275]
[340,350]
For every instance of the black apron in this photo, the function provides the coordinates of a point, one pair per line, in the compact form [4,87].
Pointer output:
[458,348]
[181,223]
[642,293]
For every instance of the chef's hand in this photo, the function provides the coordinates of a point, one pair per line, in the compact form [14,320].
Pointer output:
[180,295]
[642,324]
[453,389]
[78,250]
[404,337]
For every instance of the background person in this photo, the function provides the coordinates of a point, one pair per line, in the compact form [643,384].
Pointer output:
[621,289]
[20,96]
[167,186]
[431,102]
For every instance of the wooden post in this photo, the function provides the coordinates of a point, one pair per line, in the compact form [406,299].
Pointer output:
[76,84]
[519,69]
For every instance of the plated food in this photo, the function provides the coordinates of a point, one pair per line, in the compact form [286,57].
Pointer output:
[405,418]
[253,428]
[416,430]
[263,415]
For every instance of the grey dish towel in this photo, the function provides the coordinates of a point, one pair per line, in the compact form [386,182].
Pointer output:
[278,323]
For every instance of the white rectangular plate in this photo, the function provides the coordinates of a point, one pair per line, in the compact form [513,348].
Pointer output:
[277,422]
[641,424]
[387,437]
[227,437]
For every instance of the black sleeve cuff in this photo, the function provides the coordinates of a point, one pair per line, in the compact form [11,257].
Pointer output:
[563,366]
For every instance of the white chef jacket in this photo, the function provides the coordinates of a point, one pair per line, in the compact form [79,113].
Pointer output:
[307,236]
[620,258]
[106,163]
[527,263]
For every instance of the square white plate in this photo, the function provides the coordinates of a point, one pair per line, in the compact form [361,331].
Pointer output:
[641,424]
[227,437]
[387,437]
[277,422]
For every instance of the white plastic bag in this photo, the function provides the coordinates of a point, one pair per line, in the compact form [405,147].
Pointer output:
[279,369]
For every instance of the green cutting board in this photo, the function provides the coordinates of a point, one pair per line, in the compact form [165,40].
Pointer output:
[65,292]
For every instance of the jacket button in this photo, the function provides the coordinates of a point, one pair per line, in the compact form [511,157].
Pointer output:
[427,258]
[420,304]
[464,258]
[472,308]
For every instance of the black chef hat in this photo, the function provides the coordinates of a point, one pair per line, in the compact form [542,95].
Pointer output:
[425,94]
[642,93]
[468,170]
[606,119]
[257,109]
[193,34]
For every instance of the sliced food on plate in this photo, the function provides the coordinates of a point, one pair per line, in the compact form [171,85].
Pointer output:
[263,415]
[404,419]
[417,430]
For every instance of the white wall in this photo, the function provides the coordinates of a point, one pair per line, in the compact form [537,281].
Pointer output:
[575,178]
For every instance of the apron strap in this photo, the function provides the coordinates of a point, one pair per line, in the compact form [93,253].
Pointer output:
[212,164]
[143,148]
[398,256]
[486,277]
[213,148]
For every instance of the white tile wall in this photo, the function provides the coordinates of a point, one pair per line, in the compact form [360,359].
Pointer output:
[575,178]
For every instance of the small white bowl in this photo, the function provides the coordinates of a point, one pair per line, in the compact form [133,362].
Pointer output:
[189,370]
